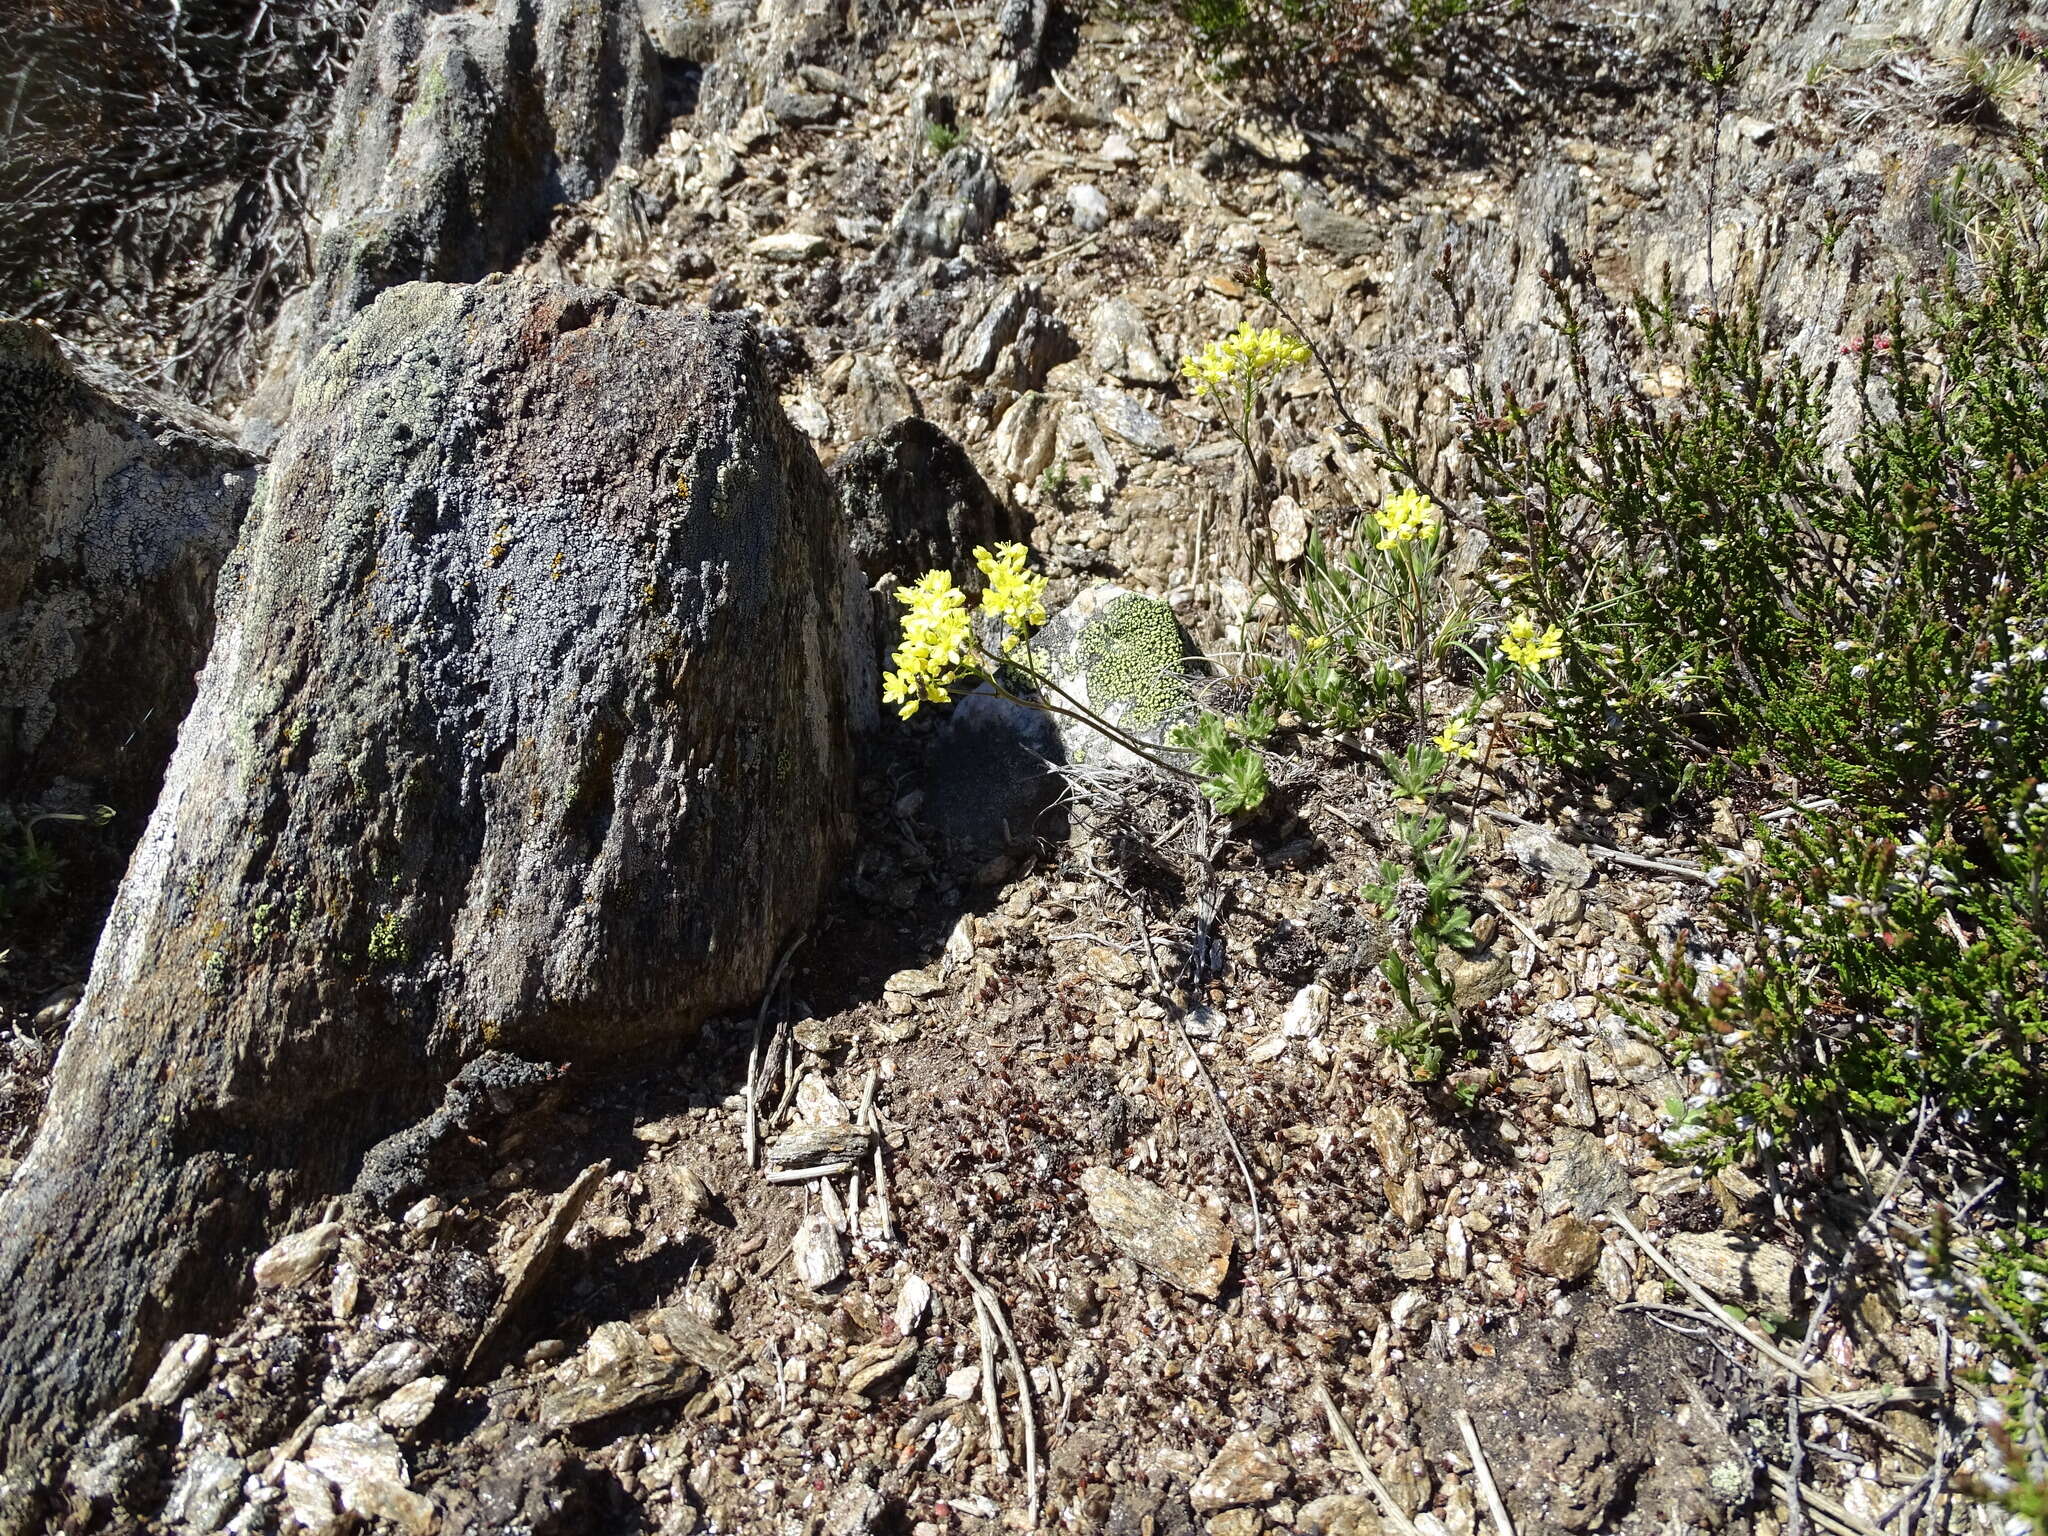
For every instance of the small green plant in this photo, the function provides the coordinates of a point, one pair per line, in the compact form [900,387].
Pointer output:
[1232,771]
[1422,893]
[30,871]
[940,137]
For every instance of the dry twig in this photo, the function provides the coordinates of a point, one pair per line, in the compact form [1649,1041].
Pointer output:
[1484,1473]
[988,1311]
[753,1125]
[1340,1426]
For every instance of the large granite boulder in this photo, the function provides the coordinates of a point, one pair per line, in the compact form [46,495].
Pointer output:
[456,134]
[118,506]
[524,727]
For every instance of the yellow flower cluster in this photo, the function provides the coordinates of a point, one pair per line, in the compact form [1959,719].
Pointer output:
[938,634]
[1013,594]
[1407,516]
[1451,739]
[1243,358]
[1526,648]
[936,637]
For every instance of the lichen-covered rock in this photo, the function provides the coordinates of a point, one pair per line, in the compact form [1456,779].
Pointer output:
[455,135]
[524,726]
[1122,656]
[120,506]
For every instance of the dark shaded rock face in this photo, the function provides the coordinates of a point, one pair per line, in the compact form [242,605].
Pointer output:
[117,508]
[524,727]
[912,500]
[455,135]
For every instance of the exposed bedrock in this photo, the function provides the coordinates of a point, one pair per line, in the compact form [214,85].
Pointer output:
[524,727]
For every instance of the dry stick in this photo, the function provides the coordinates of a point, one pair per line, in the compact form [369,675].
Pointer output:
[1823,1506]
[1244,1168]
[1493,900]
[805,1175]
[867,1113]
[1501,1522]
[1713,1308]
[753,1126]
[1794,1493]
[1341,1428]
[986,1300]
[991,1397]
[882,1179]
[1631,860]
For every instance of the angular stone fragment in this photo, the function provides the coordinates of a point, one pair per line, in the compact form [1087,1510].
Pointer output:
[818,1253]
[529,1266]
[958,202]
[1124,418]
[184,1367]
[808,1146]
[1123,345]
[1243,1472]
[1027,438]
[865,1376]
[405,1410]
[299,1257]
[1583,1177]
[792,246]
[912,1301]
[1740,1270]
[696,1340]
[618,1370]
[311,1500]
[368,1471]
[1339,233]
[1339,1514]
[1176,1241]
[1542,852]
[395,1365]
[1565,1248]
[207,1492]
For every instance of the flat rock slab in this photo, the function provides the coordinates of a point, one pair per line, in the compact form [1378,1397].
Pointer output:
[1178,1242]
[619,1370]
[1733,1268]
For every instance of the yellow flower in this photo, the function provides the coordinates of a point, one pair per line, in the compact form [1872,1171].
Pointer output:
[1451,740]
[1526,648]
[1407,516]
[1243,358]
[1013,594]
[936,637]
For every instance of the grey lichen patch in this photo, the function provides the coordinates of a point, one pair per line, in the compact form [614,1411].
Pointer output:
[1125,658]
[1135,660]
